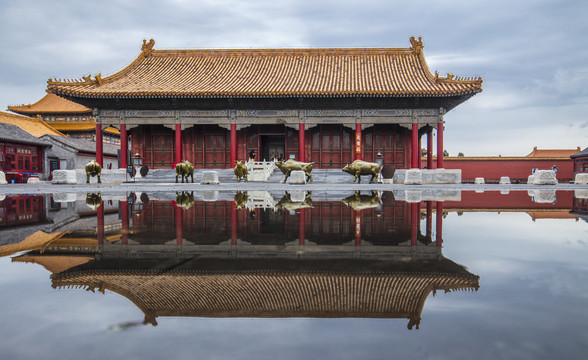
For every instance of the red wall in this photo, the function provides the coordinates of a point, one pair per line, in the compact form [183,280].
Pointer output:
[514,168]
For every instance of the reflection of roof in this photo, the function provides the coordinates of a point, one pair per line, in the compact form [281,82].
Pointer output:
[272,287]
[54,263]
[552,153]
[84,145]
[272,72]
[33,126]
[37,241]
[550,214]
[13,133]
[50,104]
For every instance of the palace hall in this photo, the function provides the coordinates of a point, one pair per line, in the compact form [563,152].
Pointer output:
[325,105]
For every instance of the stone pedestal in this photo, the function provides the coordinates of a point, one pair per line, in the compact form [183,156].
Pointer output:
[479,180]
[64,197]
[64,177]
[297,177]
[530,179]
[413,177]
[2,178]
[544,177]
[209,177]
[581,178]
[504,180]
[210,195]
[543,196]
[33,180]
[297,196]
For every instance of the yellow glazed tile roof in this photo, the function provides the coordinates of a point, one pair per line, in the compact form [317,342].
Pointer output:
[272,72]
[50,104]
[81,126]
[33,126]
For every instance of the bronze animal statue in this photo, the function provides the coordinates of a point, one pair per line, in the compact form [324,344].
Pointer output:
[93,168]
[360,202]
[286,167]
[241,171]
[184,169]
[287,204]
[93,200]
[184,199]
[240,199]
[360,167]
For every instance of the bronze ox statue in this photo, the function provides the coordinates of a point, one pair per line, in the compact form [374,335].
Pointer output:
[360,202]
[93,200]
[184,199]
[184,169]
[360,167]
[93,168]
[287,204]
[241,171]
[240,199]
[286,167]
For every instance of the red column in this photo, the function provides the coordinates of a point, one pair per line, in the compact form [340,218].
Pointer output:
[301,143]
[178,143]
[358,144]
[100,224]
[99,153]
[301,226]
[420,165]
[414,145]
[179,226]
[414,223]
[233,145]
[440,145]
[124,215]
[124,145]
[439,223]
[430,149]
[233,224]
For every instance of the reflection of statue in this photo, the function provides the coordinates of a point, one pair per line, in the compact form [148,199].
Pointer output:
[93,168]
[93,200]
[360,202]
[185,199]
[241,171]
[241,198]
[184,169]
[286,167]
[360,167]
[286,202]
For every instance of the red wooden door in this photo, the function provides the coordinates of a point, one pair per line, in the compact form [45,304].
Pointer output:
[162,151]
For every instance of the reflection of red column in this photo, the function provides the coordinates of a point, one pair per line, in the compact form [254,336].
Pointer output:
[429,219]
[99,144]
[439,223]
[124,214]
[440,145]
[301,143]
[357,229]
[100,223]
[233,224]
[178,143]
[124,144]
[414,223]
[414,146]
[301,225]
[430,148]
[233,145]
[179,227]
[358,144]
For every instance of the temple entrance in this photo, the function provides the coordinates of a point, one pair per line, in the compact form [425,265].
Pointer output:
[272,146]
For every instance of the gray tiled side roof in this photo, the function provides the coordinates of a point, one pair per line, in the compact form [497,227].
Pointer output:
[13,133]
[581,153]
[85,145]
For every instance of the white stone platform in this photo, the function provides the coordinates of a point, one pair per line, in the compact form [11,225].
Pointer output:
[2,178]
[209,177]
[581,178]
[297,177]
[64,177]
[544,177]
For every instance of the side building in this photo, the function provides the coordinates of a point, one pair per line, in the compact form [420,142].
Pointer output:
[328,106]
[67,117]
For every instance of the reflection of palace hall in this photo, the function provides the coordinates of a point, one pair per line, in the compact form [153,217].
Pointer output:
[328,106]
[360,257]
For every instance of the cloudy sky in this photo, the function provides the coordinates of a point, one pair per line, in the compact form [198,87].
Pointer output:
[532,55]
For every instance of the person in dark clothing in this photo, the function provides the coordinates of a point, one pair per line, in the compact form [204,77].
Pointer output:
[252,155]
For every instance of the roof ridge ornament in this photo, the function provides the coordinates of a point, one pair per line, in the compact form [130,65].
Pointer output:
[147,47]
[417,45]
